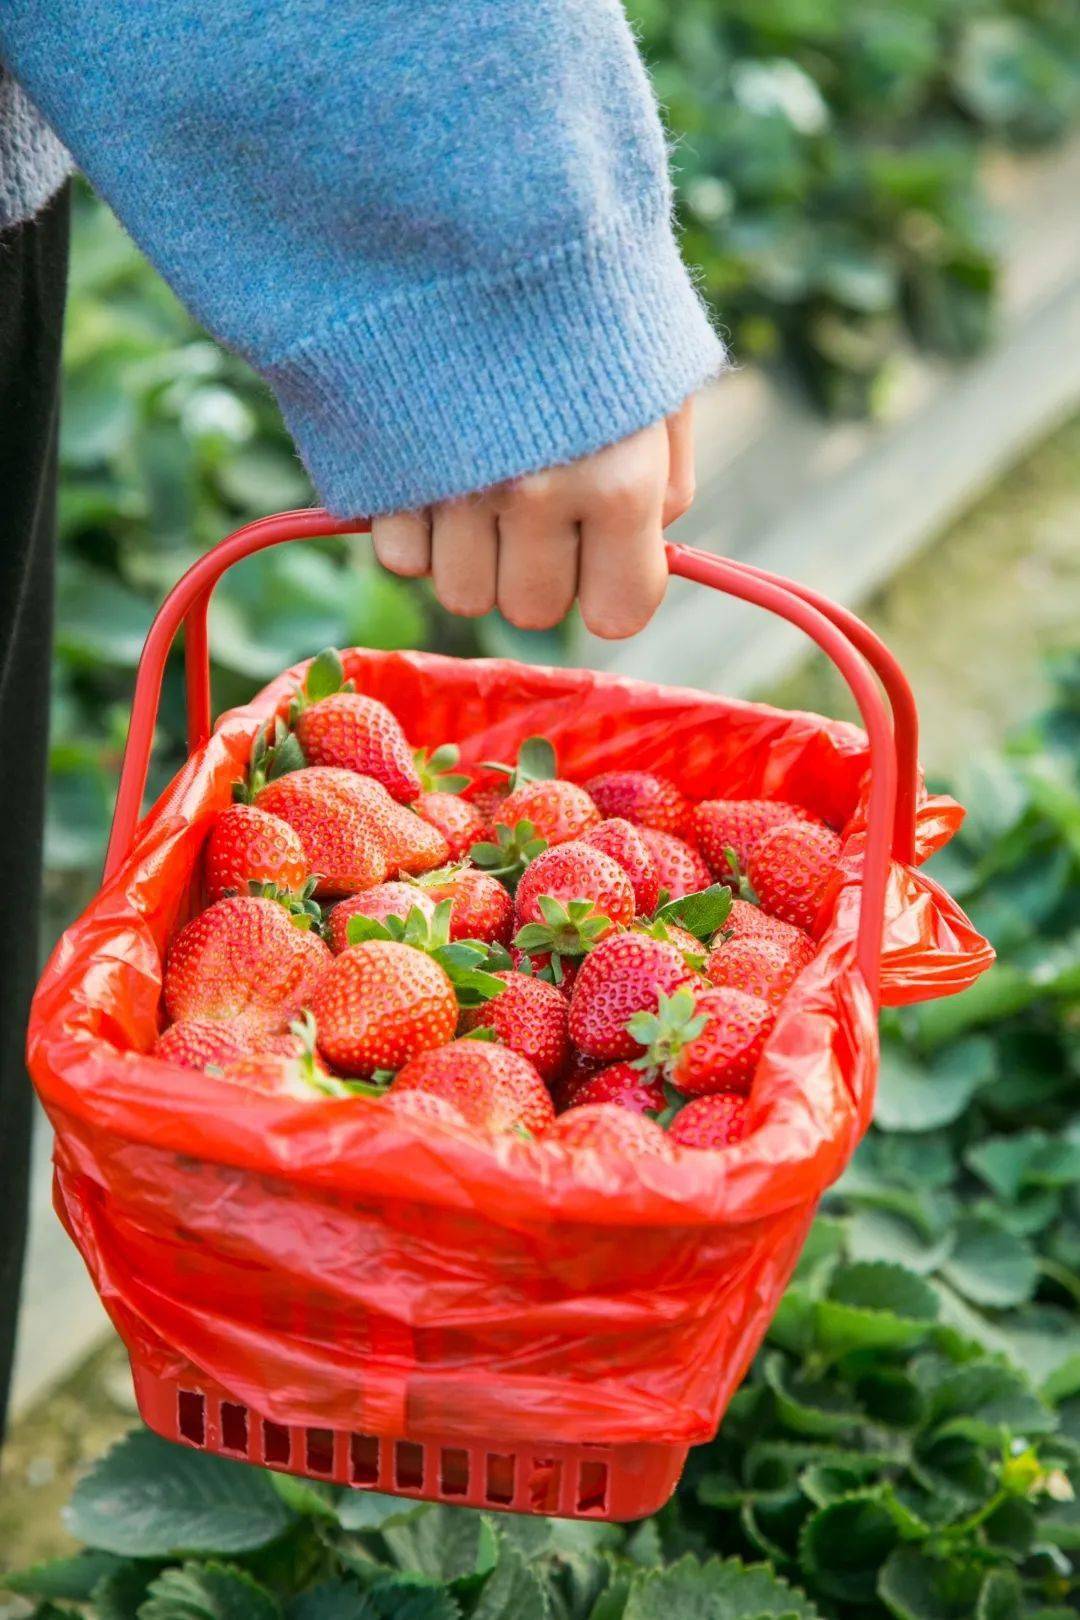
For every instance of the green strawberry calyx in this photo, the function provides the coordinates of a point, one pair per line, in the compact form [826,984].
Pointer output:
[536,762]
[324,677]
[511,851]
[667,1032]
[304,910]
[572,929]
[738,882]
[435,768]
[465,961]
[274,752]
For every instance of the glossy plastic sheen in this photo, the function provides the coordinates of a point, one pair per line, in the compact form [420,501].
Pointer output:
[333,1290]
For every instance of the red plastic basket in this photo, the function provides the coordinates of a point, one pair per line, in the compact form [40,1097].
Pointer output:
[586,1479]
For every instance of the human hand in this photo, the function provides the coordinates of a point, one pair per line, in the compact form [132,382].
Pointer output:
[592,529]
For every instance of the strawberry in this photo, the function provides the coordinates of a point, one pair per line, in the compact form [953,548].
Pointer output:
[489,1085]
[643,798]
[558,810]
[413,843]
[738,824]
[607,1128]
[621,840]
[286,1066]
[758,966]
[196,1043]
[711,1122]
[706,1042]
[793,869]
[746,920]
[482,909]
[530,1018]
[243,958]
[625,974]
[384,900]
[381,1003]
[459,822]
[246,846]
[575,872]
[621,1084]
[466,961]
[336,726]
[422,1106]
[687,944]
[332,817]
[488,803]
[679,868]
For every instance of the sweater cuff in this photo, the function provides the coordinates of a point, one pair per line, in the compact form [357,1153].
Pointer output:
[458,385]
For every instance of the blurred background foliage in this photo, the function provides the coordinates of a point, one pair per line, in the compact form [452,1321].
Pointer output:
[827,157]
[827,166]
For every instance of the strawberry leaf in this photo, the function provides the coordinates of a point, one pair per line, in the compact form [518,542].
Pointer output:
[702,913]
[511,852]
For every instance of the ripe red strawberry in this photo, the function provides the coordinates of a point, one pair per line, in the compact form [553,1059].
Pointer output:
[679,868]
[488,1084]
[360,734]
[643,798]
[738,824]
[711,1122]
[760,967]
[482,909]
[606,1128]
[460,823]
[243,959]
[746,921]
[575,871]
[557,809]
[195,1043]
[247,846]
[792,871]
[706,1042]
[530,1018]
[620,1084]
[286,1065]
[381,1003]
[414,845]
[384,900]
[621,840]
[488,803]
[333,818]
[422,1106]
[624,975]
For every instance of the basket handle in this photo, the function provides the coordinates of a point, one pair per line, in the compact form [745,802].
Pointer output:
[851,646]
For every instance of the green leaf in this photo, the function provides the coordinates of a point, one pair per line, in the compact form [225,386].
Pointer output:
[718,1590]
[702,913]
[412,1597]
[921,1096]
[308,1498]
[810,1406]
[989,1265]
[208,1592]
[325,675]
[878,1286]
[443,1543]
[915,1587]
[120,1596]
[73,1578]
[512,1589]
[331,1600]
[985,1401]
[370,1510]
[844,1544]
[147,1498]
[536,762]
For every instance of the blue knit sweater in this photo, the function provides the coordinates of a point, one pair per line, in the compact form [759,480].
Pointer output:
[439,229]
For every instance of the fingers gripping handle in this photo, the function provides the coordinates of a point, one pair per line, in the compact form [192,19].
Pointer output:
[850,645]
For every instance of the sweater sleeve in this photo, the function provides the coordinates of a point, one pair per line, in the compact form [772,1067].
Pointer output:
[439,229]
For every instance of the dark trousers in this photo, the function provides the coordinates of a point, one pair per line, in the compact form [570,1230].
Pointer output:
[33,274]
